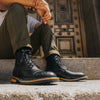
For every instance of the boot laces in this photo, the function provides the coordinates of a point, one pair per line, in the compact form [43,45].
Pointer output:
[28,59]
[59,63]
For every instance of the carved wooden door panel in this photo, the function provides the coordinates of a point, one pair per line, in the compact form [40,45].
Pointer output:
[65,25]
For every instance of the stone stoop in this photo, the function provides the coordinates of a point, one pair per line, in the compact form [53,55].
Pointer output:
[90,66]
[83,90]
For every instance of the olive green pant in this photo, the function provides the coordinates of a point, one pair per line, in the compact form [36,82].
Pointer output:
[14,34]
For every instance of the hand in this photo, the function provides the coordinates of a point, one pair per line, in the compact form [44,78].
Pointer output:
[43,10]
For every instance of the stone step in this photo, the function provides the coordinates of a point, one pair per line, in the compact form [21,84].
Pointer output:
[90,66]
[83,90]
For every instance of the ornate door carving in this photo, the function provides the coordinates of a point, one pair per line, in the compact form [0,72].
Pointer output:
[65,24]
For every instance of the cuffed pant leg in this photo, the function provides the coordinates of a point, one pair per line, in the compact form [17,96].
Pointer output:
[43,36]
[16,25]
[48,41]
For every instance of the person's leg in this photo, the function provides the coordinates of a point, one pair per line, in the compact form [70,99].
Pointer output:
[6,51]
[35,39]
[44,36]
[14,28]
[16,24]
[13,32]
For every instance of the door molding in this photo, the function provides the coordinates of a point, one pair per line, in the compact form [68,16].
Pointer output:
[82,28]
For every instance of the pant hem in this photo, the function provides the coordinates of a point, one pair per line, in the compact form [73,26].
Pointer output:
[21,46]
[53,52]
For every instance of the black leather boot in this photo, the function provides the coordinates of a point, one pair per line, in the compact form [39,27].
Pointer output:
[25,72]
[54,64]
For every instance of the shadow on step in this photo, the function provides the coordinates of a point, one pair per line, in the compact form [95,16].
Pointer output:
[5,82]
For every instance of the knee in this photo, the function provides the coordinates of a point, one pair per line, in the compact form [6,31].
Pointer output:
[17,8]
[46,29]
[45,26]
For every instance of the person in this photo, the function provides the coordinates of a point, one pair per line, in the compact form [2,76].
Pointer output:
[15,42]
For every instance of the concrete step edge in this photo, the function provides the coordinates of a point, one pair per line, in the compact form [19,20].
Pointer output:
[84,90]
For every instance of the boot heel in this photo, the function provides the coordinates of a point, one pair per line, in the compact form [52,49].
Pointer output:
[14,81]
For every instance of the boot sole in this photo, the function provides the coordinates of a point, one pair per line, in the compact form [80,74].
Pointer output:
[76,79]
[34,82]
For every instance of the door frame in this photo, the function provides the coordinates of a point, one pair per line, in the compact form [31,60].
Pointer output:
[82,28]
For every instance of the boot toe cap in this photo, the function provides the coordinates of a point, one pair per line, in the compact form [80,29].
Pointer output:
[51,74]
[43,74]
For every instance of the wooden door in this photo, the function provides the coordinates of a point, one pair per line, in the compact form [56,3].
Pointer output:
[65,23]
[66,27]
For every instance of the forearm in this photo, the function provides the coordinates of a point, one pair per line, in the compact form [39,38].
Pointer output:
[29,3]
